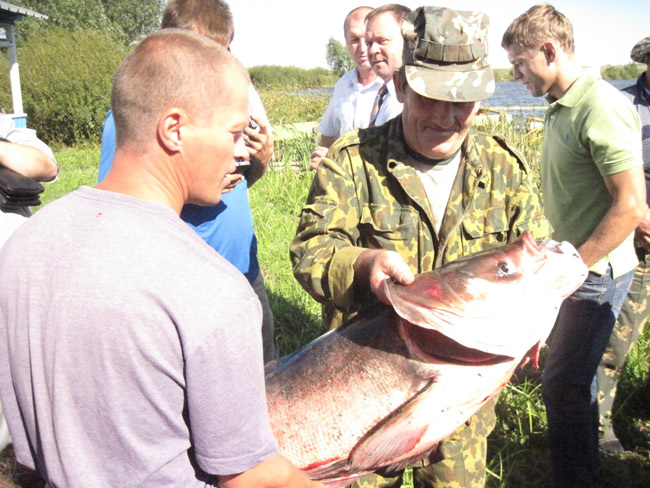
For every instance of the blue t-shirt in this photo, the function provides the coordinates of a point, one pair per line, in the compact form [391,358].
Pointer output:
[231,234]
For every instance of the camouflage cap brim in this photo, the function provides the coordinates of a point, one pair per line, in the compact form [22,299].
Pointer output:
[453,84]
[641,51]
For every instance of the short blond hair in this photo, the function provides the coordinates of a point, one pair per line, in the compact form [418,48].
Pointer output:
[212,18]
[169,68]
[536,25]
[398,11]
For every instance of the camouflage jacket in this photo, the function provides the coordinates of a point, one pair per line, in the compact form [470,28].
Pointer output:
[364,197]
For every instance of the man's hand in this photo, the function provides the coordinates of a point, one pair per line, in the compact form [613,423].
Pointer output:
[318,154]
[532,356]
[642,233]
[233,180]
[377,265]
[260,149]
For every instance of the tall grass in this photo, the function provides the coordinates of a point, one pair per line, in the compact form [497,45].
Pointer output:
[517,449]
[284,107]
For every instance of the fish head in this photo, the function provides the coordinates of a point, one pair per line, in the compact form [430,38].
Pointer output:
[501,301]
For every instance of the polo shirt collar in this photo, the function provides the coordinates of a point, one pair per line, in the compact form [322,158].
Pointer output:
[579,88]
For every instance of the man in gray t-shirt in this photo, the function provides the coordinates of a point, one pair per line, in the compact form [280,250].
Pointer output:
[113,369]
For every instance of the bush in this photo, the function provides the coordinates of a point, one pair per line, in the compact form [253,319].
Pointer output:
[291,77]
[625,72]
[289,108]
[66,79]
[503,74]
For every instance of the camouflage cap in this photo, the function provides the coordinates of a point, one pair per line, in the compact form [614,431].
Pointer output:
[445,54]
[641,51]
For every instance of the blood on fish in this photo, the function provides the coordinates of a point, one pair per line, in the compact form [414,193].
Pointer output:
[434,291]
[321,463]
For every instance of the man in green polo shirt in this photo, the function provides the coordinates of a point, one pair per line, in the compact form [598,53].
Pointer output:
[594,196]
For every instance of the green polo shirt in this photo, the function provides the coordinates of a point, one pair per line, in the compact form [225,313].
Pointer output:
[591,132]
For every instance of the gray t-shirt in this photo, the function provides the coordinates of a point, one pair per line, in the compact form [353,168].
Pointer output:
[113,370]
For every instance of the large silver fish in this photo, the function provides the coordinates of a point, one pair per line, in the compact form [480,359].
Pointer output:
[384,389]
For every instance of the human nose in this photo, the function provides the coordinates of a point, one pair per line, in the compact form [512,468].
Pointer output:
[363,47]
[516,73]
[443,113]
[373,48]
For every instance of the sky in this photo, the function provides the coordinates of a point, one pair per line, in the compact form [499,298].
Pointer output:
[295,32]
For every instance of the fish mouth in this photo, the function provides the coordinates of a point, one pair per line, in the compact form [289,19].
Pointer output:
[430,344]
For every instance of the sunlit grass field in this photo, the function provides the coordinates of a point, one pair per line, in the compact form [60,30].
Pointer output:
[518,453]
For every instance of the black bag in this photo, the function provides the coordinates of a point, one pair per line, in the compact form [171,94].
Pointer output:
[17,190]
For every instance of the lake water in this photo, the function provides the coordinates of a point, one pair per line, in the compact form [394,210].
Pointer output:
[511,95]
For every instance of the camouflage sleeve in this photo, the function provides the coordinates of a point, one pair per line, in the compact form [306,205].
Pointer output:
[526,206]
[324,248]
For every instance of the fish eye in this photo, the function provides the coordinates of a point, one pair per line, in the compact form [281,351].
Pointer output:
[504,268]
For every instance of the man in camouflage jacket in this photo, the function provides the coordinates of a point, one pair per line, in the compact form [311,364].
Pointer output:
[370,216]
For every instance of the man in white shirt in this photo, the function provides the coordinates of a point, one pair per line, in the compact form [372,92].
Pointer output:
[385,42]
[354,93]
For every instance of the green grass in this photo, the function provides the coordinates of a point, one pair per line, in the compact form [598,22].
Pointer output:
[517,449]
[77,167]
[275,202]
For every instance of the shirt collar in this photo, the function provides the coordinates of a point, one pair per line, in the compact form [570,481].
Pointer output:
[642,88]
[576,91]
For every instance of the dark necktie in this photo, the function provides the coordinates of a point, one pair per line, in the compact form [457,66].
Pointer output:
[379,99]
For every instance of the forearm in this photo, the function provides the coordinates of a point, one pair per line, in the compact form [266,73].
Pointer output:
[327,141]
[275,472]
[324,267]
[27,161]
[612,230]
[327,240]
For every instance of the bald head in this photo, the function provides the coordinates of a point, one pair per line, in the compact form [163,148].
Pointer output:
[170,68]
[355,16]
[354,29]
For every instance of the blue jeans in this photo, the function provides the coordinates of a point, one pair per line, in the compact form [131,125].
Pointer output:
[577,343]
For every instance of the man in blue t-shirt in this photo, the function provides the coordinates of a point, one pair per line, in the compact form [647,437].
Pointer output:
[228,226]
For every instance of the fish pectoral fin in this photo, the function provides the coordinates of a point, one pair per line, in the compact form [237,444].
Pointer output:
[394,469]
[396,439]
[337,469]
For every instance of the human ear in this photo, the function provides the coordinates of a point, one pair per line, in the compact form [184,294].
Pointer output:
[399,79]
[170,128]
[548,48]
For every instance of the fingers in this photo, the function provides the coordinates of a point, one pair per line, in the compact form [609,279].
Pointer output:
[262,125]
[532,356]
[259,143]
[231,181]
[316,156]
[388,265]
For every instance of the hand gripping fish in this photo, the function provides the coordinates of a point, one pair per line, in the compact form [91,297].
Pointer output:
[385,388]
